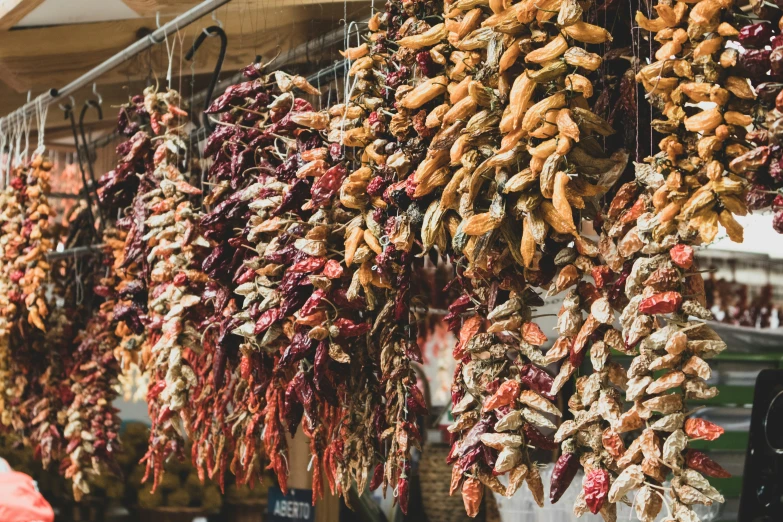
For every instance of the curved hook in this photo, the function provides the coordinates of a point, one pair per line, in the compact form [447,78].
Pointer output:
[213,30]
[68,110]
[87,105]
[97,94]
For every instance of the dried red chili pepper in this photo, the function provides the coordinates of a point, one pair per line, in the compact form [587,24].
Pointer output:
[682,255]
[325,187]
[506,394]
[350,329]
[266,320]
[403,494]
[538,439]
[533,334]
[377,477]
[662,303]
[703,464]
[308,266]
[697,428]
[562,475]
[596,489]
[602,275]
[537,380]
[472,494]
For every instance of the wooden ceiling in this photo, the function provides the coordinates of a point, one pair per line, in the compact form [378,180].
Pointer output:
[39,58]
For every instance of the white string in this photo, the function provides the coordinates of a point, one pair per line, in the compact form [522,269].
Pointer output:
[17,139]
[26,122]
[349,86]
[41,111]
[169,50]
[2,151]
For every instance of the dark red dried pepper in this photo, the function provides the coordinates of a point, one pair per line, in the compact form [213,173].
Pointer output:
[538,439]
[562,475]
[703,464]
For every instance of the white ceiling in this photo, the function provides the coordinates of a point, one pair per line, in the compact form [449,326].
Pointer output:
[59,12]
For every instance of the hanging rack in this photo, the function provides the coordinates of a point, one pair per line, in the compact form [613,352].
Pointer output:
[156,37]
[329,39]
[302,50]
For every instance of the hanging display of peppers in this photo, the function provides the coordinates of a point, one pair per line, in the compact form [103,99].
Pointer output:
[280,296]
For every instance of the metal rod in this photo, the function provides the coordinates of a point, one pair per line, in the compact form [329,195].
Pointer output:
[156,37]
[329,39]
[81,251]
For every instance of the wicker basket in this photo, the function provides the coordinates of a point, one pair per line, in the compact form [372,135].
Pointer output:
[435,476]
[249,511]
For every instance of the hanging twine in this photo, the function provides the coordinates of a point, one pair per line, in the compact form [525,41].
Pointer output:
[41,111]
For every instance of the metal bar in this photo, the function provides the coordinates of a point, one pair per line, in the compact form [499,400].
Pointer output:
[327,40]
[154,38]
[69,253]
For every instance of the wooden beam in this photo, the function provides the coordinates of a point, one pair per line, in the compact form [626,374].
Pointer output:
[41,58]
[12,11]
[150,7]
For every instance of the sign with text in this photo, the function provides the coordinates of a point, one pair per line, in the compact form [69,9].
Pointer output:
[294,507]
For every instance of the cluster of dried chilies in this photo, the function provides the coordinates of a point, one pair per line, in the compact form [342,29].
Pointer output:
[281,296]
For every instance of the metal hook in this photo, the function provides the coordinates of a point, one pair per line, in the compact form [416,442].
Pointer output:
[87,105]
[97,94]
[214,30]
[68,109]
[216,20]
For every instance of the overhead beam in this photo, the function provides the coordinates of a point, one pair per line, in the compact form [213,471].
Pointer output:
[150,7]
[40,58]
[12,11]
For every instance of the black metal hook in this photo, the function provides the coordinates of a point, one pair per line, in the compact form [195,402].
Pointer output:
[213,30]
[68,110]
[85,145]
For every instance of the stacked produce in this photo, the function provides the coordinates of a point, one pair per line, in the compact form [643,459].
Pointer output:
[470,130]
[762,164]
[232,147]
[277,187]
[397,100]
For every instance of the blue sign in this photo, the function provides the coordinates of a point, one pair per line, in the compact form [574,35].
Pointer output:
[294,507]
